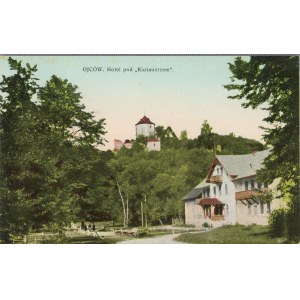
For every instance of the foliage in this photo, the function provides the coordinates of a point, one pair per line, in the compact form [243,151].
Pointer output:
[272,83]
[206,138]
[47,150]
[277,222]
[234,234]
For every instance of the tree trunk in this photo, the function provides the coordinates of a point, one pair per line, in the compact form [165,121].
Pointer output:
[127,211]
[142,213]
[124,209]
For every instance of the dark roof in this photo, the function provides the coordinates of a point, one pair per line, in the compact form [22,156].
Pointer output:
[144,120]
[127,141]
[195,193]
[153,140]
[209,201]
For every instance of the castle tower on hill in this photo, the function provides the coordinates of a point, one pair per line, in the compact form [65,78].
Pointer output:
[146,128]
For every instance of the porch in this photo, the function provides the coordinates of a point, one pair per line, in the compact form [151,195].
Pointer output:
[213,209]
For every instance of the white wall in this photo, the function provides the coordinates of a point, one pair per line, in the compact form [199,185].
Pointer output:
[153,146]
[145,130]
[227,198]
[193,213]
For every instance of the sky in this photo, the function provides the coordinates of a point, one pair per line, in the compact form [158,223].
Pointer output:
[190,92]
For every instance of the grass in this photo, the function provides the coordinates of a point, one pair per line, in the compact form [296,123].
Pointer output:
[237,234]
[94,240]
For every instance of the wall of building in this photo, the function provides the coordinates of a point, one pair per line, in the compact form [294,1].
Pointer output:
[249,212]
[118,144]
[128,145]
[153,146]
[145,130]
[225,192]
[193,213]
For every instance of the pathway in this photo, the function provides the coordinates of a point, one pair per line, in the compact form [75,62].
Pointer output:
[163,239]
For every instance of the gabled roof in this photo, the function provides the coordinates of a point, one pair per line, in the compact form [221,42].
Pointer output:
[240,166]
[196,191]
[144,120]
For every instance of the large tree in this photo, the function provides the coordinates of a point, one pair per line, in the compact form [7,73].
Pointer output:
[272,84]
[45,140]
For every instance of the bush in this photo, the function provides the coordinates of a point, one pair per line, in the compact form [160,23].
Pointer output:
[57,239]
[142,232]
[293,220]
[206,225]
[277,222]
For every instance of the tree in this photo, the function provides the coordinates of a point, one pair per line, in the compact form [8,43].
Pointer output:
[272,83]
[44,142]
[184,135]
[206,138]
[17,113]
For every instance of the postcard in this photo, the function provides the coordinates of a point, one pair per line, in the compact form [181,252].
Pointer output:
[149,149]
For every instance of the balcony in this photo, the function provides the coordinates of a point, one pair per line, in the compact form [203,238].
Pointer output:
[217,218]
[250,194]
[215,179]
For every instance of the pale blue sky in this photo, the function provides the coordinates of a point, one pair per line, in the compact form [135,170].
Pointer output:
[182,98]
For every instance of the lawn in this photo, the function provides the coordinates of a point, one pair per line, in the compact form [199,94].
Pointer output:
[237,234]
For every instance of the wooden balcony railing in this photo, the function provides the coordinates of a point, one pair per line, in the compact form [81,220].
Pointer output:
[250,194]
[215,179]
[217,218]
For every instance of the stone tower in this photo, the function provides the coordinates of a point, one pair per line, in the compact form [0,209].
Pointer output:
[145,127]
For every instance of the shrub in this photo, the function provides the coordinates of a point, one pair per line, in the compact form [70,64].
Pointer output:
[293,219]
[206,225]
[57,239]
[277,222]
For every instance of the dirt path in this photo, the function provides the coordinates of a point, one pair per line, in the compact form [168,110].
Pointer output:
[164,239]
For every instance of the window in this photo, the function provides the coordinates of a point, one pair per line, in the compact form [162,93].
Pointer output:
[259,185]
[219,190]
[255,208]
[246,185]
[215,191]
[261,207]
[208,193]
[268,207]
[221,171]
[218,171]
[249,209]
[252,184]
[226,189]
